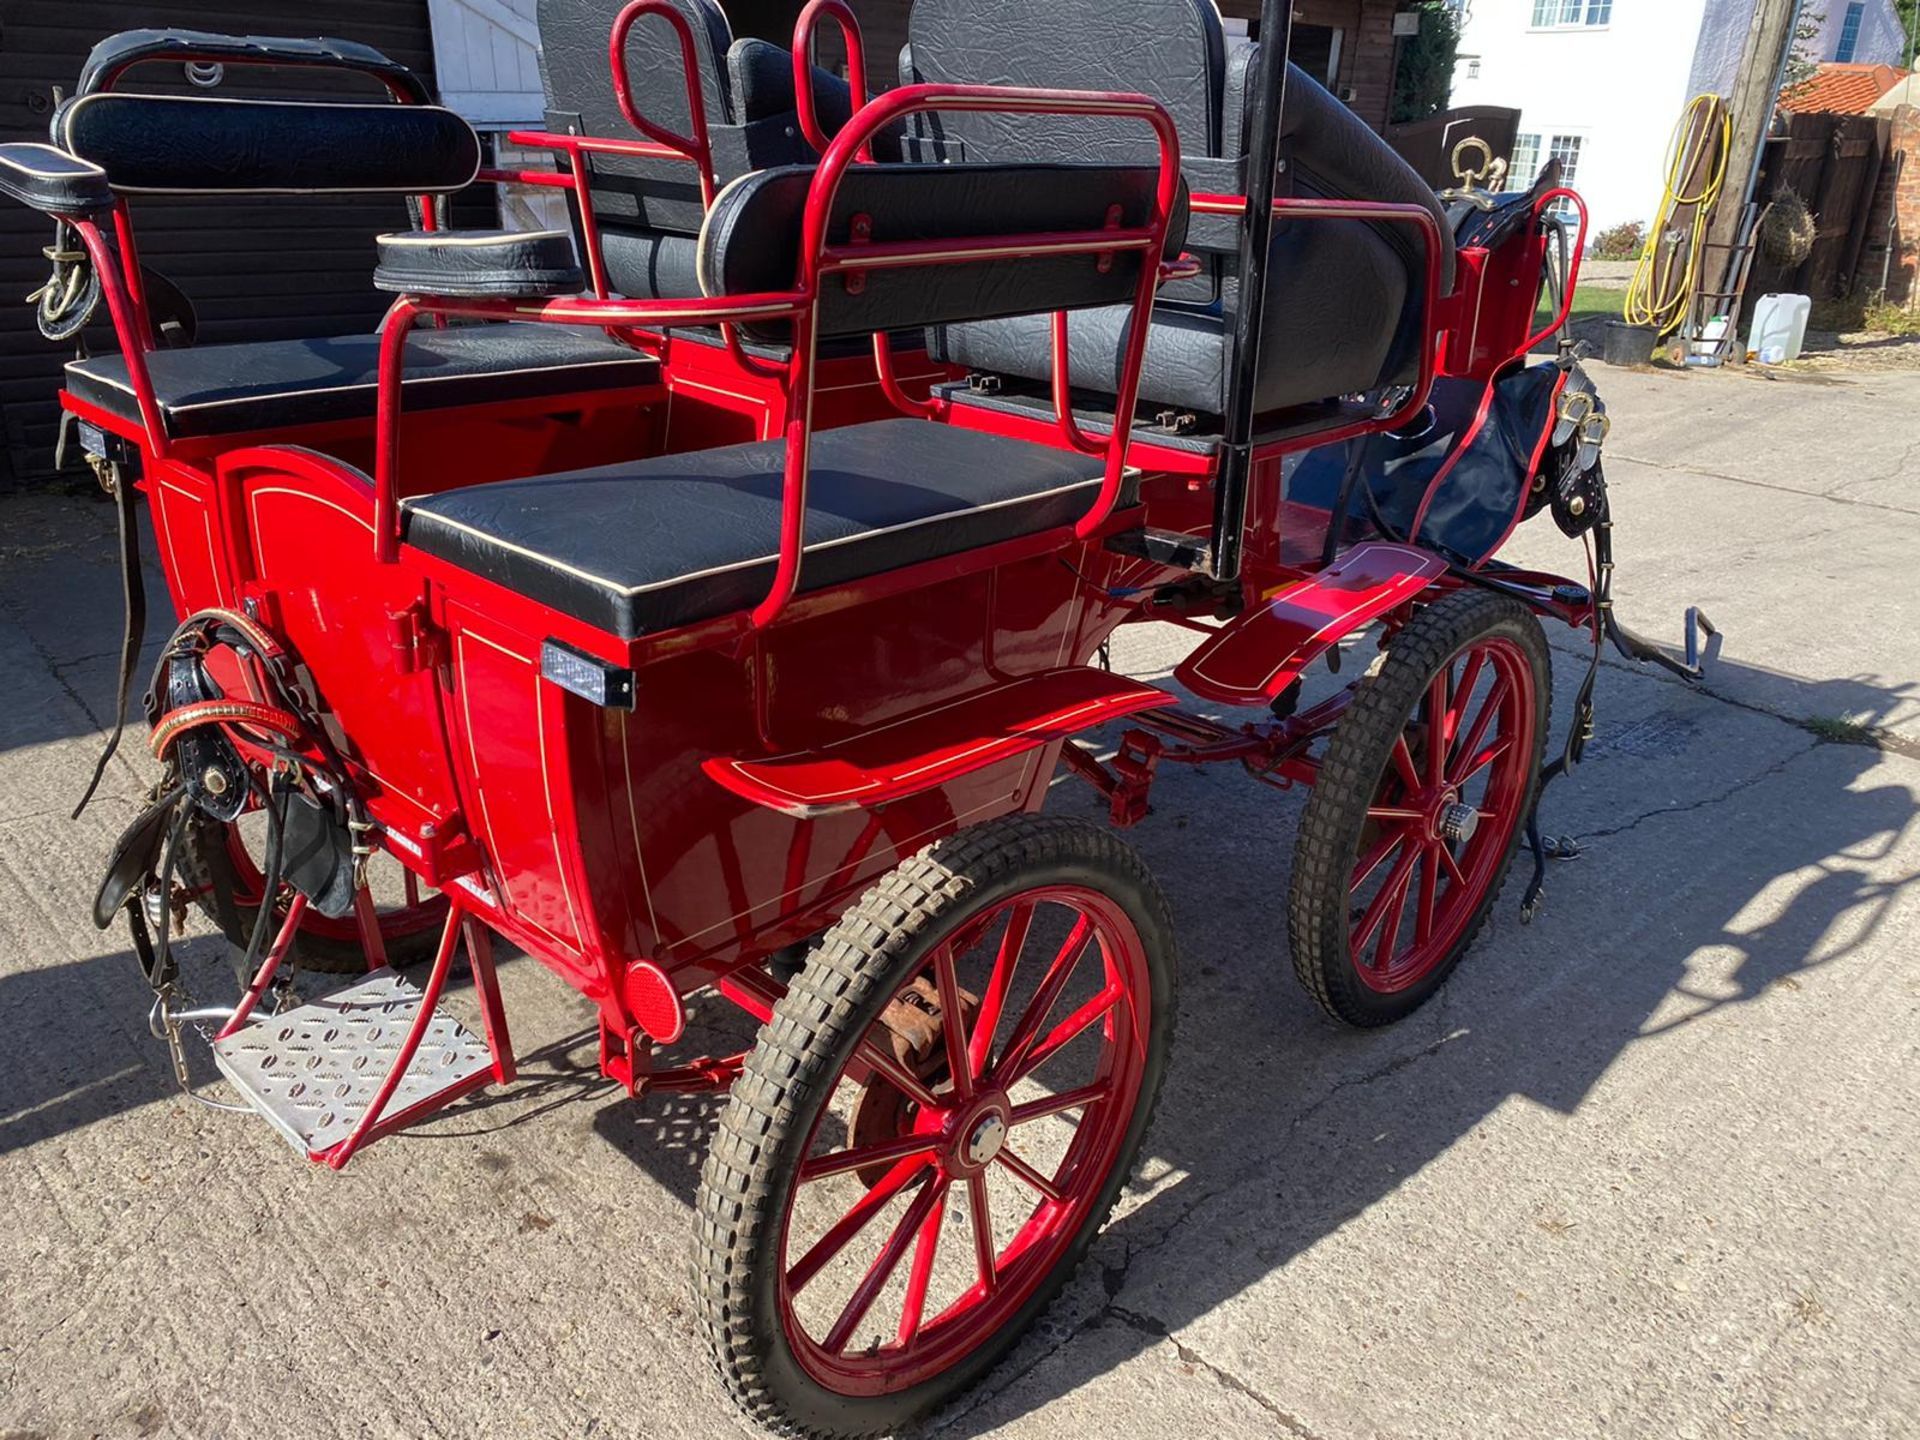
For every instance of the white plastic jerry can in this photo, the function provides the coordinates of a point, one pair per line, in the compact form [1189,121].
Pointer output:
[1779,328]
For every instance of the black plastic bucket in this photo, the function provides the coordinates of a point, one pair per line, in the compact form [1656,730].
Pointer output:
[1628,344]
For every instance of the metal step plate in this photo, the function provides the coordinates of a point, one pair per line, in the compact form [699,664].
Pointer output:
[314,1070]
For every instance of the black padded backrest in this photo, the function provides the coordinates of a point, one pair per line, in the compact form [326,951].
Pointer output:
[752,239]
[203,145]
[1172,50]
[659,195]
[649,211]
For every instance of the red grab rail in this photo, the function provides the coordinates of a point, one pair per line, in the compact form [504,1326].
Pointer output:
[692,147]
[800,306]
[803,28]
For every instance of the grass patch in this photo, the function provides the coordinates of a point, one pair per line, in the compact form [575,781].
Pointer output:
[1590,302]
[1841,730]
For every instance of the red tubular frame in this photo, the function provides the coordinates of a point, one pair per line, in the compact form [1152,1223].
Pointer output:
[692,147]
[1546,202]
[803,28]
[1378,211]
[820,259]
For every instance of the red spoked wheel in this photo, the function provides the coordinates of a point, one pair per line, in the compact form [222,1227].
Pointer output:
[934,1125]
[1420,803]
[222,869]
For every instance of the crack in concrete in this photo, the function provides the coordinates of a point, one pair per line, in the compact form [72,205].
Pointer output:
[1148,1325]
[1706,802]
[1829,496]
[1114,1277]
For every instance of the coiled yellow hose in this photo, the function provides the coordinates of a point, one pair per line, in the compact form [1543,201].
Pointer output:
[1663,280]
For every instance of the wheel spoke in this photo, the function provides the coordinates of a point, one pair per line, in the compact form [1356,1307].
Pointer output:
[1437,701]
[953,1021]
[1454,872]
[838,1162]
[1394,812]
[1429,893]
[1065,1033]
[1463,692]
[1485,758]
[924,1249]
[903,1079]
[982,1216]
[1012,941]
[1028,1030]
[1390,937]
[1403,762]
[1392,893]
[1496,696]
[883,1266]
[852,1223]
[1066,1100]
[1376,857]
[1030,1175]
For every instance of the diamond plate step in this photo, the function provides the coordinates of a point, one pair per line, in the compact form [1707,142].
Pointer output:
[313,1071]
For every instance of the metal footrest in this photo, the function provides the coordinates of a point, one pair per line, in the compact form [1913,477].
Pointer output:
[314,1071]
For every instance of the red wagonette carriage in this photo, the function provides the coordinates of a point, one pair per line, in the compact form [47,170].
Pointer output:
[712,611]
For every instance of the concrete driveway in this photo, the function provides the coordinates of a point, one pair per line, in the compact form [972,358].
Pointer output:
[1648,1167]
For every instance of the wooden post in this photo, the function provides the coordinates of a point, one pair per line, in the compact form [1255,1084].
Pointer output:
[1763,63]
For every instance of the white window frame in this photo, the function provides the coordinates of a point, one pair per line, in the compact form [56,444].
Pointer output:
[1564,15]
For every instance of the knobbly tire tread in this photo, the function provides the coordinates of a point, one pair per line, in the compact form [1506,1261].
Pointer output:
[1323,858]
[850,975]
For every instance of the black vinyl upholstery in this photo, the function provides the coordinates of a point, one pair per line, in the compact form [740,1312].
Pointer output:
[753,237]
[208,145]
[273,384]
[649,211]
[1344,297]
[653,544]
[117,53]
[52,180]
[497,264]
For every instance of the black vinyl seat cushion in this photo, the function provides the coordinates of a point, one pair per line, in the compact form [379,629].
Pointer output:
[277,384]
[653,544]
[496,264]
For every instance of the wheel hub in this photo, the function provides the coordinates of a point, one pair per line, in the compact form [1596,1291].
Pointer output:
[989,1134]
[1458,822]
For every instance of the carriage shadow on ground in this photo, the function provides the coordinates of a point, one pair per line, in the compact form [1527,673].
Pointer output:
[1276,1127]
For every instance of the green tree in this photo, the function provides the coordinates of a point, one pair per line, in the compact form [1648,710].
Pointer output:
[1423,73]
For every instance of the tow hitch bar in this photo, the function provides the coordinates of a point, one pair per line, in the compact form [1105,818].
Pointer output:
[1638,647]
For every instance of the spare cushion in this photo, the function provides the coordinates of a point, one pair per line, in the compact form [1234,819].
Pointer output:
[486,263]
[653,544]
[274,384]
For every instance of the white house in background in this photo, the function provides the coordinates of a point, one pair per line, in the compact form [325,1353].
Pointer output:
[1601,83]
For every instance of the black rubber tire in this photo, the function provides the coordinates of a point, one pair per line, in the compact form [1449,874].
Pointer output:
[1358,752]
[876,947]
[206,866]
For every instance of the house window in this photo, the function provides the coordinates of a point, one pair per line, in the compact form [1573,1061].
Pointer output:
[1571,14]
[1528,159]
[1850,33]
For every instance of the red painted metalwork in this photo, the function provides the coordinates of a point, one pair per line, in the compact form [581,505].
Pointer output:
[694,147]
[924,749]
[269,967]
[1467,752]
[939,1159]
[1264,649]
[803,50]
